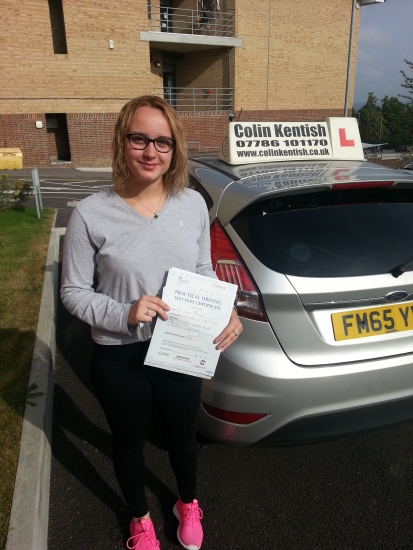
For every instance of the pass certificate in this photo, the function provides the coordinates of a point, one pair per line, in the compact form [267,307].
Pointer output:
[200,310]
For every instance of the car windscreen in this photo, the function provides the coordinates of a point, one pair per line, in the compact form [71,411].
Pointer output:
[330,233]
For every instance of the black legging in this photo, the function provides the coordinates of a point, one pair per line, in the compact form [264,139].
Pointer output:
[125,388]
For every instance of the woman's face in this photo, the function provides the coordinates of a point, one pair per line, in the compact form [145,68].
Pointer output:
[147,166]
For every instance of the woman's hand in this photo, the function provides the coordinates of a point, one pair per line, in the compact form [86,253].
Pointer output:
[146,308]
[230,333]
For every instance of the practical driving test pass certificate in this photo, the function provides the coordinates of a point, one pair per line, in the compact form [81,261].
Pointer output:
[200,310]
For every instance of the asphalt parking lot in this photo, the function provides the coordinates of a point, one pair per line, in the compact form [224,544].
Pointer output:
[352,493]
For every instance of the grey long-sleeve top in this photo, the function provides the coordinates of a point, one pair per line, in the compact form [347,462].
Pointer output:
[128,255]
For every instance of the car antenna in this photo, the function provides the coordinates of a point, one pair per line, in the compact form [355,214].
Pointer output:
[239,114]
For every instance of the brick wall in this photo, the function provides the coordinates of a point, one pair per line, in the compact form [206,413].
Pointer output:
[202,70]
[90,134]
[291,67]
[287,115]
[397,164]
[294,54]
[20,131]
[91,77]
[204,132]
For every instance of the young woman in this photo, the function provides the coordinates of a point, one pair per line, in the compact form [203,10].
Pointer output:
[118,247]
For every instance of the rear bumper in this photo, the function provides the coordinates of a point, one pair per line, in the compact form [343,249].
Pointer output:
[341,423]
[302,404]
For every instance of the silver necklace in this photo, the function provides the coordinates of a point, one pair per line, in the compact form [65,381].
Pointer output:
[155,214]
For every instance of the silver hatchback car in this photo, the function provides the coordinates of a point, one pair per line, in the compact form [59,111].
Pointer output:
[322,253]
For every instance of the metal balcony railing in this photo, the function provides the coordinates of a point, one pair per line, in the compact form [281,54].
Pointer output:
[177,20]
[197,99]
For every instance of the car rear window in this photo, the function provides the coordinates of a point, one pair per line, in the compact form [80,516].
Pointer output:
[331,233]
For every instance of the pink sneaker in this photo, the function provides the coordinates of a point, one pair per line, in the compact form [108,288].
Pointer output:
[142,536]
[190,532]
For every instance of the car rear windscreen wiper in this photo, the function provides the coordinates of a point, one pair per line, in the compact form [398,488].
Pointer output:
[400,269]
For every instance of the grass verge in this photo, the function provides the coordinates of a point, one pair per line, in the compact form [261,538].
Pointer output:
[24,241]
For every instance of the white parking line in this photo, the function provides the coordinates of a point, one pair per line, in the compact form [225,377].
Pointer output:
[70,189]
[70,182]
[57,192]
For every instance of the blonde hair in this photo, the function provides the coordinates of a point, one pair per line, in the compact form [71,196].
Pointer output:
[176,178]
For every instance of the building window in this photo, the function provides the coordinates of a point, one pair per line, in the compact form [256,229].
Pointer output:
[57,23]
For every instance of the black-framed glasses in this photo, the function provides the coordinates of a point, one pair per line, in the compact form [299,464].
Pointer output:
[140,142]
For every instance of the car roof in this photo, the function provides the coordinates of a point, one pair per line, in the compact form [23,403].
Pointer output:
[236,186]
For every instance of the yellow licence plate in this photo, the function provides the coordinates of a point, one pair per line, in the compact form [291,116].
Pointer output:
[361,323]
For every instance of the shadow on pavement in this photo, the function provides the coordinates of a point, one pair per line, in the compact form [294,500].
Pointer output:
[87,509]
[14,370]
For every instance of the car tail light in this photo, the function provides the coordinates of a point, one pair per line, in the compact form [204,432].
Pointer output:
[230,268]
[364,185]
[233,417]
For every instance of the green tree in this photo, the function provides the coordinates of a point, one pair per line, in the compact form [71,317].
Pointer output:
[395,127]
[369,119]
[393,122]
[408,83]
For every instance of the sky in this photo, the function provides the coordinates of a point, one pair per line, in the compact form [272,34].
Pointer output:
[385,40]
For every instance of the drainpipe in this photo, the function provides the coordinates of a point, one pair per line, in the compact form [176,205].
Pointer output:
[228,78]
[268,59]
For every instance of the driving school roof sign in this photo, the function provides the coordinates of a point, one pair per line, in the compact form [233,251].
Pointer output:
[249,142]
